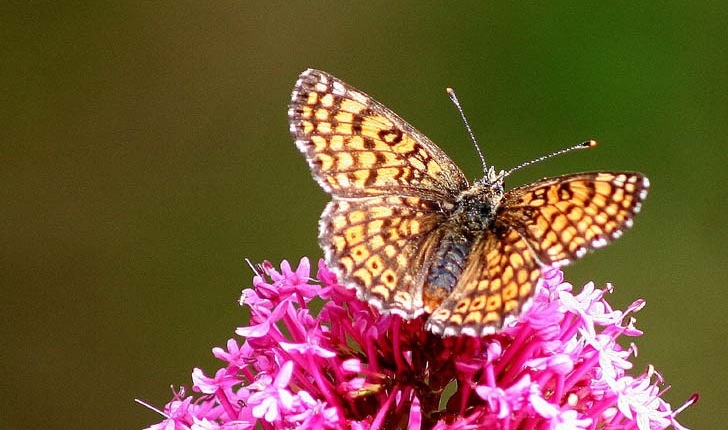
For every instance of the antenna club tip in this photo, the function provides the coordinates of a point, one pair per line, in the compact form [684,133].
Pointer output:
[590,143]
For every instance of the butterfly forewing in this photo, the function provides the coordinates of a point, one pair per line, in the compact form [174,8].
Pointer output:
[356,147]
[563,218]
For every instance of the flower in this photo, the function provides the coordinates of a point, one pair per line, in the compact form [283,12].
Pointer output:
[560,366]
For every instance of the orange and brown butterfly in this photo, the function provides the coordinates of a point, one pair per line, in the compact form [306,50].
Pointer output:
[412,236]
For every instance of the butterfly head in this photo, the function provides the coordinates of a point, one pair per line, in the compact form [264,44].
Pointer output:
[492,182]
[480,202]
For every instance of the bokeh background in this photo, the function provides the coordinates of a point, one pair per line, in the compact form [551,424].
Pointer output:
[145,154]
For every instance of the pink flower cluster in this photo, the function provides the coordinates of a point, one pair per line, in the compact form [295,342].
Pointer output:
[349,367]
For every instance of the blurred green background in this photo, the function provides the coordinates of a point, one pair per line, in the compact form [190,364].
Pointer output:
[145,153]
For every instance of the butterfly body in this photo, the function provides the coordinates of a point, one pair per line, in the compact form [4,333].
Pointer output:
[470,218]
[408,232]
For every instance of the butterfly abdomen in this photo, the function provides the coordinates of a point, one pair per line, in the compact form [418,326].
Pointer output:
[448,262]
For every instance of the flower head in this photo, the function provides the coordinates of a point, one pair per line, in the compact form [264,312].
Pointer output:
[560,366]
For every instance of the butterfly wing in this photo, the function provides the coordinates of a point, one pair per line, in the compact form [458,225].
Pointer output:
[356,147]
[379,245]
[388,183]
[495,287]
[549,222]
[562,218]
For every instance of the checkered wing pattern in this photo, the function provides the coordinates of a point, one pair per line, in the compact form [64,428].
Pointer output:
[387,181]
[356,147]
[549,222]
[380,245]
[496,286]
[562,218]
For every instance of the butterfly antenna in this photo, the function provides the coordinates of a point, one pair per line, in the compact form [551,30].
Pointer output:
[582,145]
[456,102]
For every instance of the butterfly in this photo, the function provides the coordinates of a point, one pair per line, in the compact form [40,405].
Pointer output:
[412,236]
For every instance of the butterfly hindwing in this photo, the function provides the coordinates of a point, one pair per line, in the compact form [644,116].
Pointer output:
[497,284]
[377,245]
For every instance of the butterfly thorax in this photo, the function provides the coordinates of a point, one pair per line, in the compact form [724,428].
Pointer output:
[477,205]
[472,215]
